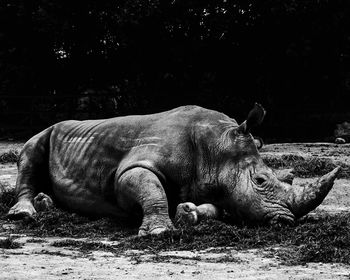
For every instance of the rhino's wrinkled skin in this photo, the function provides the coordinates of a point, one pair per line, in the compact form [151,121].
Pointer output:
[155,164]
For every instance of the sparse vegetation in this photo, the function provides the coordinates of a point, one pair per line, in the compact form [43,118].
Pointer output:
[36,240]
[326,239]
[322,239]
[306,166]
[9,243]
[9,157]
[58,222]
[84,246]
[7,197]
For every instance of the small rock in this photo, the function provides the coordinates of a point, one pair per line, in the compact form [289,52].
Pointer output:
[339,140]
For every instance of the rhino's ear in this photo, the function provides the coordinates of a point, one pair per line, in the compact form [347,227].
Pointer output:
[255,117]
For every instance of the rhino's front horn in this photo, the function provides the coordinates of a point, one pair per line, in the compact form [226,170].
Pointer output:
[307,198]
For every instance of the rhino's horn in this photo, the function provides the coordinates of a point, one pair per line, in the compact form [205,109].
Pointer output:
[307,198]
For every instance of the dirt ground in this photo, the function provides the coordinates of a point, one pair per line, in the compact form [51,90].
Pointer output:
[39,259]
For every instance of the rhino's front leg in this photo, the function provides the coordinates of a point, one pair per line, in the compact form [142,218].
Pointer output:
[189,213]
[141,186]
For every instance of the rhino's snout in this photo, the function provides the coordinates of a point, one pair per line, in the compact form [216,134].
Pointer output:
[274,200]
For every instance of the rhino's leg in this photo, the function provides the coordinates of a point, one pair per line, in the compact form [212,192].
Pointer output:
[32,167]
[189,213]
[142,187]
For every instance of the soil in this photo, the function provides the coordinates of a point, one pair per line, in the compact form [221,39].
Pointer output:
[38,258]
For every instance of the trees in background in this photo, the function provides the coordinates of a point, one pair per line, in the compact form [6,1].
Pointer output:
[137,56]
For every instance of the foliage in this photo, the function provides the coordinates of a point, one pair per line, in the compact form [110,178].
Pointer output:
[289,55]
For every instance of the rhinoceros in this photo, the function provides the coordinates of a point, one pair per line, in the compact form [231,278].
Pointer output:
[190,163]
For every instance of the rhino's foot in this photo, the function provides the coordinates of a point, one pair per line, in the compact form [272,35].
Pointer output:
[155,225]
[42,202]
[23,209]
[186,213]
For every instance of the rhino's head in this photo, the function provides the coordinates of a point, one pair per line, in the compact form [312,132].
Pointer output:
[254,192]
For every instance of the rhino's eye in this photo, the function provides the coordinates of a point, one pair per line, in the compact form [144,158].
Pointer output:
[259,180]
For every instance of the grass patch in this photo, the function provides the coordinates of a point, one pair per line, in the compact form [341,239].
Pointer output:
[306,166]
[85,246]
[323,240]
[36,240]
[7,198]
[9,243]
[9,157]
[60,223]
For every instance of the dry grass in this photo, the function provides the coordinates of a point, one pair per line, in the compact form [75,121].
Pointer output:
[58,222]
[7,198]
[326,239]
[9,157]
[9,243]
[322,239]
[306,166]
[85,246]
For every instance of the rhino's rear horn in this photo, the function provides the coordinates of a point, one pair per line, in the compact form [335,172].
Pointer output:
[307,198]
[255,117]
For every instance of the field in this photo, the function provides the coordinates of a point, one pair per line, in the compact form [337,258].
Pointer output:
[61,245]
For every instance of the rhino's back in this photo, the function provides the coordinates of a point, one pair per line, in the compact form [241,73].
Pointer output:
[85,141]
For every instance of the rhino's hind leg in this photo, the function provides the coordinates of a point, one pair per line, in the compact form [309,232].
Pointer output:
[32,170]
[25,193]
[190,214]
[140,186]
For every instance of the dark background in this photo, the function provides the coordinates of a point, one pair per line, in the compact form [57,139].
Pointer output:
[63,59]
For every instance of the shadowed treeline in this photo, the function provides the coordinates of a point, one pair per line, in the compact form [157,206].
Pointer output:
[91,59]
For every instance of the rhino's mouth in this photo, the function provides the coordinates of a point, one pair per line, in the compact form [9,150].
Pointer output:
[280,216]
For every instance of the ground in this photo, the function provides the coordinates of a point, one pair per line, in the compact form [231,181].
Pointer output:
[51,257]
